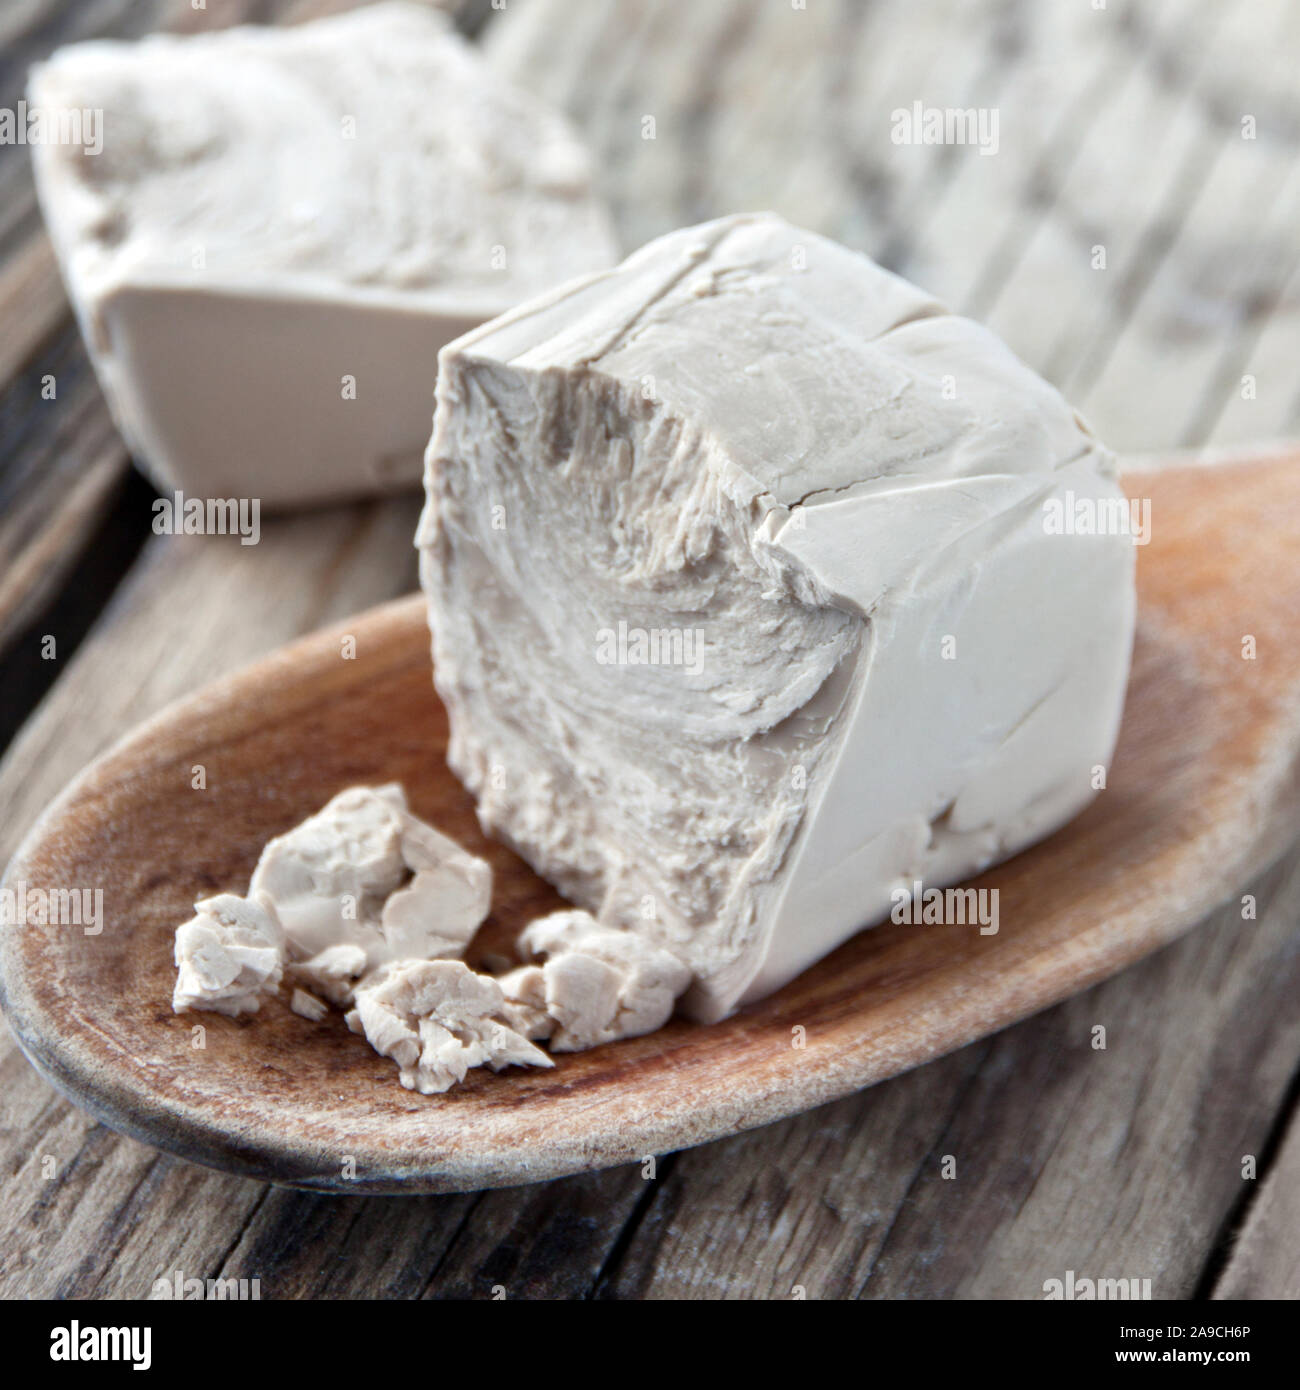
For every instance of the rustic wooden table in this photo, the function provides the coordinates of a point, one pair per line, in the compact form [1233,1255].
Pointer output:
[1135,238]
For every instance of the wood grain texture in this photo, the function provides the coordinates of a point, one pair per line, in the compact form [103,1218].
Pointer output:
[1108,127]
[1111,1162]
[1203,792]
[1119,128]
[60,458]
[66,462]
[1265,1261]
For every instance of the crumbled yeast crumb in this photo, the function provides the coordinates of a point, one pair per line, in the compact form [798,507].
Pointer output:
[333,973]
[365,872]
[596,984]
[525,1006]
[341,902]
[308,1006]
[229,956]
[360,884]
[436,1020]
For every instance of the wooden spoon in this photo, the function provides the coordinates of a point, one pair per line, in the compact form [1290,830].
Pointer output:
[1202,794]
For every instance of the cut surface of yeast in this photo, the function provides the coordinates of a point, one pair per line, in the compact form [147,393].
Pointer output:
[281,228]
[740,560]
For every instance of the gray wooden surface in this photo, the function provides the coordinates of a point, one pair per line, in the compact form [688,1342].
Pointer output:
[1120,127]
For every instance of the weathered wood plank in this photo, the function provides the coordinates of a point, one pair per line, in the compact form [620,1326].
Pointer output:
[540,1242]
[797,1209]
[1115,1163]
[31,303]
[1265,1257]
[1065,65]
[1229,258]
[1098,186]
[1263,400]
[66,460]
[549,1241]
[1119,127]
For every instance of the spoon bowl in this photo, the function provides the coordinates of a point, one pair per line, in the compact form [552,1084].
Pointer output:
[1202,793]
